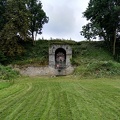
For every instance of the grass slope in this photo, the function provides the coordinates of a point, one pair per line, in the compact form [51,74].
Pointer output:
[91,58]
[61,98]
[39,53]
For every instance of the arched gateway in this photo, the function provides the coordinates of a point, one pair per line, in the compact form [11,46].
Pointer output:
[59,58]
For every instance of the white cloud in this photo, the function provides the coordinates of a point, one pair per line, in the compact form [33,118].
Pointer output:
[65,18]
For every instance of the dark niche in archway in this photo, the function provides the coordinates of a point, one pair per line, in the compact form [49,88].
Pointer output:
[60,58]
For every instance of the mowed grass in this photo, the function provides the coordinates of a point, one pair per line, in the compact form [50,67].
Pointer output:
[4,85]
[61,98]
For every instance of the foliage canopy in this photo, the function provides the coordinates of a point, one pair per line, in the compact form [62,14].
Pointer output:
[18,21]
[104,17]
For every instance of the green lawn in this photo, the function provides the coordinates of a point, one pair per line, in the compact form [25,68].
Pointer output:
[61,98]
[4,85]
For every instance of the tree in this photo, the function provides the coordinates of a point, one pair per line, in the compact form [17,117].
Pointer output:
[15,29]
[91,30]
[105,14]
[37,18]
[19,20]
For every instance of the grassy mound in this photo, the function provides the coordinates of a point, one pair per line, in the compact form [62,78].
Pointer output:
[98,69]
[36,55]
[90,58]
[93,59]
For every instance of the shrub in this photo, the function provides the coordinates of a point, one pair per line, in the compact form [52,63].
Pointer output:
[3,58]
[7,73]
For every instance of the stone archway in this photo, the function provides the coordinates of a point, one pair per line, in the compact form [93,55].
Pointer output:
[59,59]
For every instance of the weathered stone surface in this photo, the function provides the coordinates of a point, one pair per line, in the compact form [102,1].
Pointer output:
[52,62]
[44,71]
[52,50]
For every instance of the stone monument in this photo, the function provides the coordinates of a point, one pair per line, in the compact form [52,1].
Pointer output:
[59,59]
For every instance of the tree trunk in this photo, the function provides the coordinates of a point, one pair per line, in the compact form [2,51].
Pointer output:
[33,38]
[114,43]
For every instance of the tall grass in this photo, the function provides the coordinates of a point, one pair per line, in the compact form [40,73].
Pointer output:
[98,69]
[7,73]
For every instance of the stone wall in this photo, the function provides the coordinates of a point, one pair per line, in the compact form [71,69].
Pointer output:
[43,71]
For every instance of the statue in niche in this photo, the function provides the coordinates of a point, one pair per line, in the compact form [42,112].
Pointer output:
[60,60]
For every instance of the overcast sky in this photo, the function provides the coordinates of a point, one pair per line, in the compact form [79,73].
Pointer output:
[65,19]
